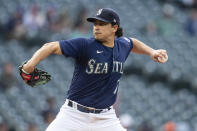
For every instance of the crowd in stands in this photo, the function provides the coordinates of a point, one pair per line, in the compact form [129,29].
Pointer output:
[7,79]
[183,3]
[27,25]
[166,25]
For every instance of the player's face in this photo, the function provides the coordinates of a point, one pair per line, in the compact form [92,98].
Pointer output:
[103,30]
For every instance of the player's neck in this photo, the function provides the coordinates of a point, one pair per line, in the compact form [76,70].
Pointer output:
[109,42]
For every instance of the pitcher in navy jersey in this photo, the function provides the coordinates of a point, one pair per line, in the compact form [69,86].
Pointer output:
[99,63]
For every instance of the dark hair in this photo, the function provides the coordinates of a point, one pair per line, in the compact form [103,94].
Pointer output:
[119,32]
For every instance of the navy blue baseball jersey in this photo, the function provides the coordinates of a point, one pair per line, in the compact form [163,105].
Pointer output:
[98,69]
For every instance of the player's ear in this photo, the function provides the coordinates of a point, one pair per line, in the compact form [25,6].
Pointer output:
[115,27]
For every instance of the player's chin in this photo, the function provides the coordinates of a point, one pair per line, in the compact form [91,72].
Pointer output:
[97,37]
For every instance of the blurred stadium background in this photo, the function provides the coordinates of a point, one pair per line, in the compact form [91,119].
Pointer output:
[152,96]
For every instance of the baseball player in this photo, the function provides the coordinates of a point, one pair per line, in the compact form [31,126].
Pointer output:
[99,65]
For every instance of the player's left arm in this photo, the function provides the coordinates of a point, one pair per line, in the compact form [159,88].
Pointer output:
[159,55]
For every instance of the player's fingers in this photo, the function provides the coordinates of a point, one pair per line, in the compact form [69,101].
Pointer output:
[156,54]
[163,59]
[160,55]
[156,59]
[163,54]
[162,50]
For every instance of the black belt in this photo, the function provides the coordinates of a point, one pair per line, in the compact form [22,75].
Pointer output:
[87,109]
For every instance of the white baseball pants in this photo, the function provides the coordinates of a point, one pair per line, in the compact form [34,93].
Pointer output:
[70,119]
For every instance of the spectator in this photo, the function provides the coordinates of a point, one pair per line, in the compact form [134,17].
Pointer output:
[145,126]
[182,126]
[191,23]
[32,127]
[52,19]
[34,20]
[151,29]
[188,3]
[7,78]
[81,17]
[64,22]
[80,26]
[127,121]
[49,117]
[169,126]
[14,26]
[3,127]
[51,110]
[164,25]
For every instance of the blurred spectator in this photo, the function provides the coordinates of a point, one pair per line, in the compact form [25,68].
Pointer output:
[169,126]
[81,31]
[32,127]
[80,18]
[3,127]
[182,126]
[34,20]
[51,110]
[7,78]
[27,25]
[14,26]
[145,126]
[64,22]
[49,117]
[151,29]
[166,25]
[80,27]
[127,121]
[52,19]
[188,3]
[191,23]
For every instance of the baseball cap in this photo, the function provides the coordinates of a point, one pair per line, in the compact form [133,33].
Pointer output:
[107,15]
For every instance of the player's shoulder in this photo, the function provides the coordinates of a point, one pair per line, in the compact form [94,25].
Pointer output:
[124,41]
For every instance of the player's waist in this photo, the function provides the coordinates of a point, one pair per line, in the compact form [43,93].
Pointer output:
[85,109]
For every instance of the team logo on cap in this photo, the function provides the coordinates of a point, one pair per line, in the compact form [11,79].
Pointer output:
[99,12]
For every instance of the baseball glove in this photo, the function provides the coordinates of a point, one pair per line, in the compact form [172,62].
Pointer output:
[36,78]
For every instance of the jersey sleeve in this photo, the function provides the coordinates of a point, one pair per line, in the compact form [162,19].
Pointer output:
[73,47]
[128,43]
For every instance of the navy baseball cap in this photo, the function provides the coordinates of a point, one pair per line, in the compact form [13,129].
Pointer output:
[107,15]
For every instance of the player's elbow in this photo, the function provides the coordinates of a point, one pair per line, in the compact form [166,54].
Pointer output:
[53,47]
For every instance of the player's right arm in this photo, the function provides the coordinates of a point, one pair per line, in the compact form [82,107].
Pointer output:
[159,55]
[42,53]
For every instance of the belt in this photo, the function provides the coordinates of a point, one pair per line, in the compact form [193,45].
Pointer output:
[86,109]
